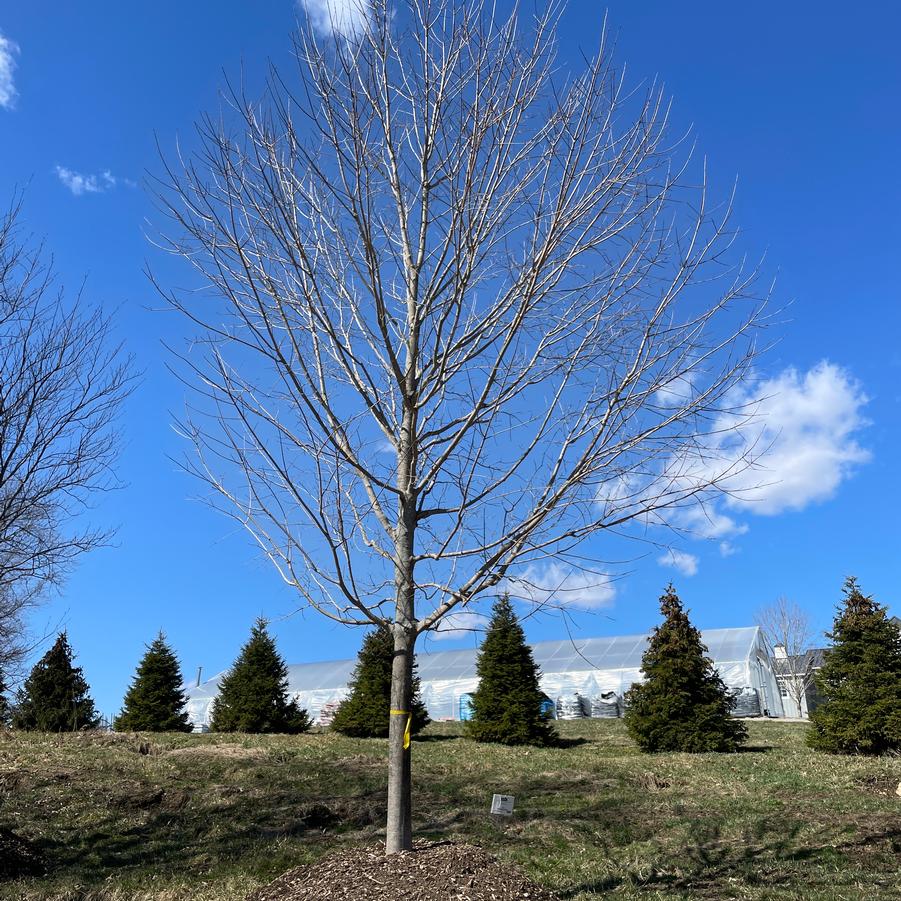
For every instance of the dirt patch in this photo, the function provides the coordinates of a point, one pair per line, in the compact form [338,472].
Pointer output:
[651,782]
[881,785]
[126,741]
[228,752]
[137,797]
[175,799]
[355,813]
[18,857]
[319,816]
[140,796]
[11,779]
[360,812]
[432,872]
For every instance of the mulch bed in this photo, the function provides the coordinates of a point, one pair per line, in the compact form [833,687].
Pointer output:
[434,871]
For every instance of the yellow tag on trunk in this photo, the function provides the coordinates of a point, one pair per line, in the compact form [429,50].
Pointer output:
[409,717]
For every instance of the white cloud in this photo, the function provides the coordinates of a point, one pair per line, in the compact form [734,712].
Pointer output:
[80,184]
[8,52]
[459,624]
[343,18]
[806,428]
[685,563]
[619,492]
[799,431]
[559,586]
[704,520]
[677,391]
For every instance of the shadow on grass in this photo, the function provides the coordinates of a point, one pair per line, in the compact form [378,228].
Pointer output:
[765,853]
[216,828]
[561,742]
[706,858]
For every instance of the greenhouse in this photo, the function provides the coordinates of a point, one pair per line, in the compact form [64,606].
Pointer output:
[587,674]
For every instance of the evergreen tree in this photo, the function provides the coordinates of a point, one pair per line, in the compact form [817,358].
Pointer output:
[253,695]
[506,707]
[155,701]
[683,704]
[55,695]
[365,712]
[5,707]
[860,681]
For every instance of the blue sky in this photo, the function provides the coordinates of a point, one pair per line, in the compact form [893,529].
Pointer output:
[800,101]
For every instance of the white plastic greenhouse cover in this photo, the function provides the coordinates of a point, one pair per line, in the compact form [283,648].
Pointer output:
[588,666]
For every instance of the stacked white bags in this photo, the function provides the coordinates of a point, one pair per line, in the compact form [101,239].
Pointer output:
[607,705]
[572,707]
[747,702]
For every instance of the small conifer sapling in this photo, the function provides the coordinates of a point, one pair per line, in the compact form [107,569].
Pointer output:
[55,695]
[253,695]
[507,705]
[365,712]
[860,681]
[155,701]
[683,704]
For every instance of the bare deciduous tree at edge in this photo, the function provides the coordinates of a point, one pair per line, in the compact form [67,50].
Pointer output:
[62,383]
[785,624]
[457,310]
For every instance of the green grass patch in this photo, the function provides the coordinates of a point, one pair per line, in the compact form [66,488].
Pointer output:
[215,816]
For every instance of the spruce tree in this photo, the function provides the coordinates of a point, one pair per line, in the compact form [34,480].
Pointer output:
[860,681]
[5,707]
[155,701]
[683,704]
[55,696]
[365,712]
[253,695]
[506,706]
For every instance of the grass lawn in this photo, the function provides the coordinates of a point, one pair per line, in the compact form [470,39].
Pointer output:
[214,816]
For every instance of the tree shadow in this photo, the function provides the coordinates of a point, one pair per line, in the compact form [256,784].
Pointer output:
[709,861]
[206,828]
[562,742]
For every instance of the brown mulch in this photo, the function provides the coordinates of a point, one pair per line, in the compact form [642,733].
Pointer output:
[438,871]
[17,857]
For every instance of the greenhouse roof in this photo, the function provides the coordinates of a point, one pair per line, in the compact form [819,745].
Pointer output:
[570,655]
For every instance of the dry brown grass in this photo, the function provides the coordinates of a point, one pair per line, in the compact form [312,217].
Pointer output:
[214,817]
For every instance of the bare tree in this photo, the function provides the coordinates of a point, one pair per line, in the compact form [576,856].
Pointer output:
[458,311]
[787,630]
[61,384]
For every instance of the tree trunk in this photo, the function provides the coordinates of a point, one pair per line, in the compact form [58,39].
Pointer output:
[399,835]
[798,692]
[400,829]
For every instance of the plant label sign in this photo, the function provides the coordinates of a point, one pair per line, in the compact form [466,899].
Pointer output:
[502,805]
